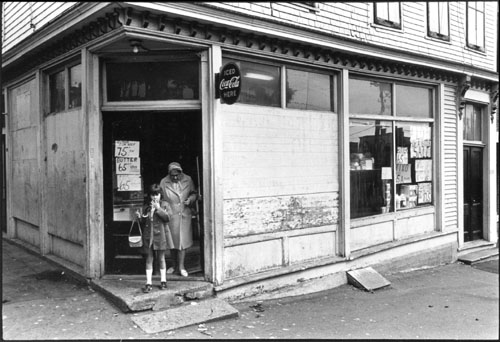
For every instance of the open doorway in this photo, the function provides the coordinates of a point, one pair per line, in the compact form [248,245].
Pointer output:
[161,137]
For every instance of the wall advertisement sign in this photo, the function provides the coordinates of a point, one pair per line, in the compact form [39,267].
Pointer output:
[229,85]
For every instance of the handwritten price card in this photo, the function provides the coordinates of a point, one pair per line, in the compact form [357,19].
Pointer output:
[129,182]
[126,148]
[128,166]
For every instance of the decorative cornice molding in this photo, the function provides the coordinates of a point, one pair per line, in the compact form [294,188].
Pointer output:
[493,100]
[464,84]
[245,41]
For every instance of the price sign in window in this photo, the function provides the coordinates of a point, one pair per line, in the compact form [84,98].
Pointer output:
[128,193]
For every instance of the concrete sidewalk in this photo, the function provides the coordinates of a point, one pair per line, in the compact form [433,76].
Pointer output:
[454,301]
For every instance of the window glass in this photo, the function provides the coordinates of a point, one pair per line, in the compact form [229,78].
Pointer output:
[414,165]
[413,101]
[370,97]
[57,92]
[308,90]
[152,81]
[437,18]
[472,122]
[388,14]
[260,84]
[75,86]
[475,25]
[370,147]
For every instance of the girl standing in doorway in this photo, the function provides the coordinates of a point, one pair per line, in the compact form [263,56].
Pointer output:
[156,236]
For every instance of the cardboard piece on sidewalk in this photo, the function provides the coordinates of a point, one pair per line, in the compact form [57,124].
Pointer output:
[367,279]
[203,311]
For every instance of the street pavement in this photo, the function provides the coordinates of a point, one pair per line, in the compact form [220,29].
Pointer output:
[454,301]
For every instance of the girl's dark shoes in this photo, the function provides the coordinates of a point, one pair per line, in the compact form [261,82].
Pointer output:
[163,285]
[147,288]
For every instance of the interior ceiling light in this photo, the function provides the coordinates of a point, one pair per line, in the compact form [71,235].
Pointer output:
[259,76]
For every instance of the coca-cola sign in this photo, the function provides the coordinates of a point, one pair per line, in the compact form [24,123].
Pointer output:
[229,83]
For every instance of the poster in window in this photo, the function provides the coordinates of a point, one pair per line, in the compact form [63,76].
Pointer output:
[423,170]
[424,193]
[124,148]
[128,165]
[402,155]
[403,173]
[129,182]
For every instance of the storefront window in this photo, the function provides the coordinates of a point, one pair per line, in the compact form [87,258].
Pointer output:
[309,90]
[260,84]
[75,86]
[390,172]
[57,92]
[413,165]
[370,145]
[152,81]
[370,97]
[412,101]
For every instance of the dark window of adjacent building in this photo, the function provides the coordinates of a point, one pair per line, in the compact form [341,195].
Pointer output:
[475,25]
[65,89]
[438,23]
[388,14]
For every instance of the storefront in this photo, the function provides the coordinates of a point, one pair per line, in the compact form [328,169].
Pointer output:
[329,160]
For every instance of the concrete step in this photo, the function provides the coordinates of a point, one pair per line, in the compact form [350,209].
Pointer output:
[127,293]
[477,256]
[196,312]
[367,279]
[476,245]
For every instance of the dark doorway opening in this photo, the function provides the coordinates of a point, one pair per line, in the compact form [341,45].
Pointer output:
[473,193]
[163,137]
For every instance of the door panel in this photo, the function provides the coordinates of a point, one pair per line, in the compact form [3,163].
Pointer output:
[473,193]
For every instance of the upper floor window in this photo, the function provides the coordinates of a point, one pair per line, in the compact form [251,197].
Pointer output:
[438,24]
[65,89]
[388,14]
[475,25]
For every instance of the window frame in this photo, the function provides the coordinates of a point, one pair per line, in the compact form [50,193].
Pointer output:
[172,104]
[386,21]
[436,34]
[468,19]
[65,68]
[396,120]
[283,66]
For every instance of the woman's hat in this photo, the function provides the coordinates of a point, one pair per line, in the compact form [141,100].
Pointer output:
[174,166]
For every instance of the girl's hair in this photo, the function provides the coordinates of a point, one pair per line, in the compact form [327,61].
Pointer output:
[154,189]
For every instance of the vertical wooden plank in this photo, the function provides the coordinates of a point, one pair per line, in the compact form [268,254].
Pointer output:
[207,164]
[44,235]
[460,178]
[490,179]
[439,152]
[8,165]
[216,196]
[344,231]
[94,249]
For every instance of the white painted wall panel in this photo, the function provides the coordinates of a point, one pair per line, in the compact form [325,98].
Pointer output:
[308,247]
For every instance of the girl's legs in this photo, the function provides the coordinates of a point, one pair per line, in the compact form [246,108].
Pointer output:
[173,253]
[149,269]
[163,266]
[182,256]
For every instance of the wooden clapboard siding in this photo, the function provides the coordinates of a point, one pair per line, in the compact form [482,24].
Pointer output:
[24,130]
[450,160]
[66,176]
[22,18]
[355,21]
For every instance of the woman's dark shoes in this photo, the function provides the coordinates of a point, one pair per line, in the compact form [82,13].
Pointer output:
[163,285]
[148,288]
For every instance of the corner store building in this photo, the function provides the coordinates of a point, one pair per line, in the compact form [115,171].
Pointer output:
[282,193]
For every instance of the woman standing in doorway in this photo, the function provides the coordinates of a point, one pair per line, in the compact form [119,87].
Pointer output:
[179,191]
